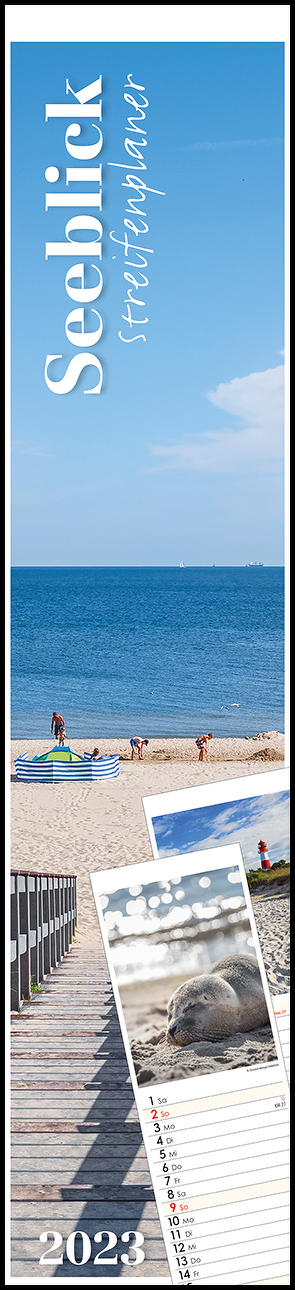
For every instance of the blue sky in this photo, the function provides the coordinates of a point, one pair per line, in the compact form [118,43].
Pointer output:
[243,821]
[180,456]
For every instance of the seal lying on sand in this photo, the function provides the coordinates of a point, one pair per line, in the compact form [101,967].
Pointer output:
[227,999]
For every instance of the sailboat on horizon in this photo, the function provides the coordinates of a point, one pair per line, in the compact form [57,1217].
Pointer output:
[182,565]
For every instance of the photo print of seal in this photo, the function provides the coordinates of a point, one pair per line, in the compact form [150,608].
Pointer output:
[230,997]
[184,952]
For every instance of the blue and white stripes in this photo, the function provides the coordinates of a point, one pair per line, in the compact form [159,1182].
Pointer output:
[55,772]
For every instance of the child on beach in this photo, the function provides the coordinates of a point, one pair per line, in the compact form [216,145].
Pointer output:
[137,744]
[61,736]
[201,743]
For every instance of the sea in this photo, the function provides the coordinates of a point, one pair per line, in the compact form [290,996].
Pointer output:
[147,651]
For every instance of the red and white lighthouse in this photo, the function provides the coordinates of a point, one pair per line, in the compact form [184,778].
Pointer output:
[263,852]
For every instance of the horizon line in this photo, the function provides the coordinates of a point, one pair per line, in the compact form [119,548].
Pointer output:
[248,565]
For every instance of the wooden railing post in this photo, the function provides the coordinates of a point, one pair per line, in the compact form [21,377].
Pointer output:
[43,921]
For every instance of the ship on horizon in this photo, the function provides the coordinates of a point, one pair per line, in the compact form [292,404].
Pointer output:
[254,564]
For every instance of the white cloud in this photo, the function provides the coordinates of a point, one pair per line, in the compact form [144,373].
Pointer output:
[258,398]
[28,449]
[258,401]
[230,143]
[269,820]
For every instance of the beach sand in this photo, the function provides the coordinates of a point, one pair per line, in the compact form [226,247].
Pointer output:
[272,917]
[156,1060]
[159,1064]
[72,828]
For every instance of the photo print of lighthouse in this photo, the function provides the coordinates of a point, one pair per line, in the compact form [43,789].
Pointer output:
[257,816]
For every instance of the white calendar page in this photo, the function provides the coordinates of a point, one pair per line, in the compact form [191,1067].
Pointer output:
[211,1095]
[242,810]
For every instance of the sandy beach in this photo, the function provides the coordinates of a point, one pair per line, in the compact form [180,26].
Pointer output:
[158,1064]
[272,917]
[68,828]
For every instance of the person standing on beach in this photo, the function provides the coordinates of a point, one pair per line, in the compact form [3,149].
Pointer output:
[137,744]
[58,724]
[201,743]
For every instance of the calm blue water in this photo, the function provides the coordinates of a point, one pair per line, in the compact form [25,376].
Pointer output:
[147,651]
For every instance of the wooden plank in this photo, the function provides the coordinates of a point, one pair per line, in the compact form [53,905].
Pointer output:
[78,1191]
[25,1228]
[42,1085]
[69,1126]
[153,1269]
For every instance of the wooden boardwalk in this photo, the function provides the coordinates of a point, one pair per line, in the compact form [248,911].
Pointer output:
[78,1159]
